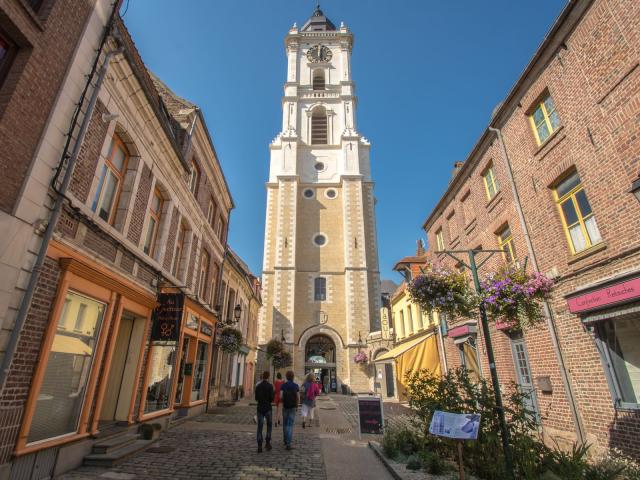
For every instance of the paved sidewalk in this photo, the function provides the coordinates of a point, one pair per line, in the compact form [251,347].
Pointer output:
[222,445]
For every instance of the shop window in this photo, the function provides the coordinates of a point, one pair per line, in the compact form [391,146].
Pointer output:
[68,366]
[440,240]
[204,271]
[199,370]
[491,185]
[620,346]
[155,213]
[320,289]
[319,128]
[577,217]
[544,119]
[111,179]
[469,358]
[505,242]
[161,366]
[181,371]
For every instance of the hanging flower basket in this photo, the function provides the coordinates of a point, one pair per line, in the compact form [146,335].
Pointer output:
[230,340]
[443,290]
[512,296]
[282,360]
[273,348]
[361,358]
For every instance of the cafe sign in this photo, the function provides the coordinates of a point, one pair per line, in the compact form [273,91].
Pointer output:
[603,297]
[167,317]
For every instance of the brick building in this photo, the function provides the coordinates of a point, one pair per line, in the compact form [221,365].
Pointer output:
[143,226]
[549,180]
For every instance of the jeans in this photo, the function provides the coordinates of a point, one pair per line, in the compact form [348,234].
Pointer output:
[288,418]
[261,418]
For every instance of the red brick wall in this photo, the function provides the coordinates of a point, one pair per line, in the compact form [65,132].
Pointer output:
[15,394]
[89,155]
[140,206]
[32,83]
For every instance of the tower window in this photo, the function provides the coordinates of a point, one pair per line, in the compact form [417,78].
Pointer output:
[318,80]
[319,240]
[319,127]
[320,289]
[331,193]
[308,193]
[319,166]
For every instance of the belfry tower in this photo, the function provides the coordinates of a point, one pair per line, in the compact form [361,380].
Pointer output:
[320,274]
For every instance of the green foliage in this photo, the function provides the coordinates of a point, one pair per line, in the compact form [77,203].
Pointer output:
[433,463]
[414,462]
[400,441]
[274,348]
[230,340]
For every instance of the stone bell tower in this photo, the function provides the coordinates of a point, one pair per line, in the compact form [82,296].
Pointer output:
[320,273]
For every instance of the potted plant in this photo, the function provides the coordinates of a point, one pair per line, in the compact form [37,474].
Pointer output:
[361,358]
[512,296]
[230,340]
[282,360]
[443,290]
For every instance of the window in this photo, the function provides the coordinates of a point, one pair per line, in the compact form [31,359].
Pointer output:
[490,182]
[318,80]
[221,226]
[544,119]
[308,193]
[410,318]
[155,212]
[111,179]
[319,166]
[619,342]
[577,217]
[331,193]
[204,270]
[319,126]
[162,358]
[7,53]
[469,358]
[466,209]
[194,177]
[214,282]
[320,289]
[177,255]
[319,240]
[440,240]
[211,212]
[505,242]
[82,311]
[199,368]
[66,370]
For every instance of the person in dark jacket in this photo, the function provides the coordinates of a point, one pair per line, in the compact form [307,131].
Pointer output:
[264,397]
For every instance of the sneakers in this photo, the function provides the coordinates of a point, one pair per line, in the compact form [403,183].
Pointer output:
[289,447]
[268,446]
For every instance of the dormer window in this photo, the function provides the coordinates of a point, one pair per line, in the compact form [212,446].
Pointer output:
[318,80]
[194,177]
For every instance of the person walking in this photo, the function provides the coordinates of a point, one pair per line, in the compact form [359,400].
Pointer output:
[325,383]
[277,385]
[289,395]
[264,396]
[310,391]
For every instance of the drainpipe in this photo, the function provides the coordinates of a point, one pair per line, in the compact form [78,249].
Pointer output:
[564,374]
[53,220]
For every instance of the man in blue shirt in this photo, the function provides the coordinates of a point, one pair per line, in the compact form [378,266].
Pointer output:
[290,396]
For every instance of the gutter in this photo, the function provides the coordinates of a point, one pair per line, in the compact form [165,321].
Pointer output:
[25,304]
[548,312]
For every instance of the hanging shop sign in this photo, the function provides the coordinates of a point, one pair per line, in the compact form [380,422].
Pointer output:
[206,329]
[167,317]
[461,426]
[370,415]
[611,294]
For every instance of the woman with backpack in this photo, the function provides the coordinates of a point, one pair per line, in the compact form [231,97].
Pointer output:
[310,390]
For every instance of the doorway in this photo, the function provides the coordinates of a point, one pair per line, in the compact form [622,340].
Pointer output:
[523,372]
[327,377]
[122,373]
[320,359]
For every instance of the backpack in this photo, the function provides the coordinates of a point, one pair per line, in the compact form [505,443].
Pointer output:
[289,398]
[310,390]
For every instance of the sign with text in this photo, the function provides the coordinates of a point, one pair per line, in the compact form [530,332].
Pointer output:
[370,415]
[461,426]
[167,317]
[620,292]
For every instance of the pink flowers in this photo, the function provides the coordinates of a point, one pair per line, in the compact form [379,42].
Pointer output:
[442,290]
[361,357]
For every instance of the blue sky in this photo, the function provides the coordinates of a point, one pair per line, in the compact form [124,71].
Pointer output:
[428,74]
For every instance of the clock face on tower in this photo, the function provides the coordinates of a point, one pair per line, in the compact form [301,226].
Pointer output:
[319,53]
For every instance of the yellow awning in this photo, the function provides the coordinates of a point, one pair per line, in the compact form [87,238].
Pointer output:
[73,345]
[410,357]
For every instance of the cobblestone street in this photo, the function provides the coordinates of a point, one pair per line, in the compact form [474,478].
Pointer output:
[222,445]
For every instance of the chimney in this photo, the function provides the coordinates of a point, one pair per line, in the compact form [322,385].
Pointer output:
[420,249]
[456,168]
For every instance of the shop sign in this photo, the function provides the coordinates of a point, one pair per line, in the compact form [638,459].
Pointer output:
[370,414]
[167,317]
[192,321]
[620,292]
[206,329]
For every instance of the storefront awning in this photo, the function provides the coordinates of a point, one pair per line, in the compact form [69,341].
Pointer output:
[399,350]
[72,345]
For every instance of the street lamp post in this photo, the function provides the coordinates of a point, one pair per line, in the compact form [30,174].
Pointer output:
[236,316]
[489,346]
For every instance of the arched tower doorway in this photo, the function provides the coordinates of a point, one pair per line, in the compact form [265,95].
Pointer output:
[320,359]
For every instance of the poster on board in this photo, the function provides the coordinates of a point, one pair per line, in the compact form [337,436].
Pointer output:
[460,426]
[370,414]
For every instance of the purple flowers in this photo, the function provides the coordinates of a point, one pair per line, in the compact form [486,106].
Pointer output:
[230,340]
[443,290]
[360,357]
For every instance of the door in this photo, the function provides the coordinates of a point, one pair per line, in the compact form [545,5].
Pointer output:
[523,372]
[181,373]
[388,379]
